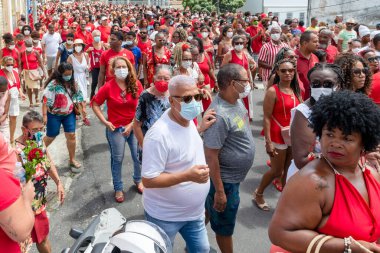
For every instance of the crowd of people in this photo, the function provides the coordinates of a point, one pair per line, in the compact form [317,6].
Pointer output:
[176,86]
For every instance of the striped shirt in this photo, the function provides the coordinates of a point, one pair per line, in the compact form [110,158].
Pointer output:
[268,55]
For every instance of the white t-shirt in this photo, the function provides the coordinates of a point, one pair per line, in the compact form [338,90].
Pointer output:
[51,42]
[172,148]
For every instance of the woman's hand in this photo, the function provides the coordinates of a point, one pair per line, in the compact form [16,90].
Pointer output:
[110,126]
[128,130]
[271,151]
[60,192]
[206,94]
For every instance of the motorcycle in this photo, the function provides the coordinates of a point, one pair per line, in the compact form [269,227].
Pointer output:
[110,232]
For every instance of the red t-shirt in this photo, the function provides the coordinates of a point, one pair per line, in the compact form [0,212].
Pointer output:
[86,37]
[10,192]
[8,157]
[105,33]
[331,53]
[375,89]
[144,45]
[108,55]
[120,111]
[303,67]
[258,42]
[14,53]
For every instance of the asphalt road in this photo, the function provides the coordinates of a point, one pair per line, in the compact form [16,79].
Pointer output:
[92,191]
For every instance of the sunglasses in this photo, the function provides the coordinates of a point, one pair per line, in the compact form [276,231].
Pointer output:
[239,43]
[358,71]
[326,84]
[283,71]
[188,99]
[142,32]
[374,59]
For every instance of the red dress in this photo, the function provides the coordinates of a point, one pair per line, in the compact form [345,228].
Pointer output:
[243,62]
[284,103]
[153,61]
[361,220]
[32,60]
[205,69]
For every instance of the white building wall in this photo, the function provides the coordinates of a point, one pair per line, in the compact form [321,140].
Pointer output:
[253,6]
[287,9]
[364,11]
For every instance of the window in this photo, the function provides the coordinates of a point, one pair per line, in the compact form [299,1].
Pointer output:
[289,15]
[302,16]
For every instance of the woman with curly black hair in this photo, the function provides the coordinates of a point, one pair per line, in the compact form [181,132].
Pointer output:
[334,200]
[122,95]
[356,73]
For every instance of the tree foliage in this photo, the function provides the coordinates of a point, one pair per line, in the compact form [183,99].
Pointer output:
[212,5]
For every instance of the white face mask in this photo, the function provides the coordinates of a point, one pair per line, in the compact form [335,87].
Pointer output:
[239,47]
[9,68]
[26,32]
[316,93]
[204,35]
[190,38]
[275,36]
[36,41]
[245,93]
[69,42]
[29,49]
[230,34]
[78,49]
[121,74]
[186,64]
[11,47]
[356,50]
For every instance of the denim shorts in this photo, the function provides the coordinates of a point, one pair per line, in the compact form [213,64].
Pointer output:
[223,223]
[54,123]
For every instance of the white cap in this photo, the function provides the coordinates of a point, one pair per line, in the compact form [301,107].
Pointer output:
[103,18]
[363,31]
[373,34]
[149,13]
[351,20]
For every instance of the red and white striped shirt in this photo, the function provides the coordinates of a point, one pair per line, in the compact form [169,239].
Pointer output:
[268,54]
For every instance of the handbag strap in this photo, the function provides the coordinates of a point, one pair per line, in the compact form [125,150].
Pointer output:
[321,242]
[313,242]
[68,93]
[26,60]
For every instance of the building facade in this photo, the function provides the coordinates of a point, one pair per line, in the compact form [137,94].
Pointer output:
[287,9]
[10,12]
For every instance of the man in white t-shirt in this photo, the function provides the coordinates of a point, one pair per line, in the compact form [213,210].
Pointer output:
[175,173]
[50,44]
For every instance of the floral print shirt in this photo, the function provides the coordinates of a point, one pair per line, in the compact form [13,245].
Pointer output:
[58,101]
[149,109]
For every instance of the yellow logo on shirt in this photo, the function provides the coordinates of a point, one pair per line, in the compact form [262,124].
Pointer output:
[239,122]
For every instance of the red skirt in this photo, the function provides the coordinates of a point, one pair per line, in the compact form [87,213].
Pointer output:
[276,249]
[41,227]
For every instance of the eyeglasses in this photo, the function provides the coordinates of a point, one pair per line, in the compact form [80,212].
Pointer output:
[36,130]
[325,84]
[188,99]
[358,71]
[374,59]
[283,71]
[123,95]
[142,32]
[239,43]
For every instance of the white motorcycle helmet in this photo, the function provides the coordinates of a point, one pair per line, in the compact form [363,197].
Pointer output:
[139,236]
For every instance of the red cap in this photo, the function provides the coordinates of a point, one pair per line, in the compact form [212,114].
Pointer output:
[130,24]
[195,21]
[263,15]
[125,29]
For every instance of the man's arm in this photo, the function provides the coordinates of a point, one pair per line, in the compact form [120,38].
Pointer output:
[101,77]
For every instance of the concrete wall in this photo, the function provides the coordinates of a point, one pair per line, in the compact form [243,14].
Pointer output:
[364,11]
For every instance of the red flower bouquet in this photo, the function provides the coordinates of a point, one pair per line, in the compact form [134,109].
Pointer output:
[32,156]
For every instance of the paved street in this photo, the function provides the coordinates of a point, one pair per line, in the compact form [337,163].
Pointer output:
[92,191]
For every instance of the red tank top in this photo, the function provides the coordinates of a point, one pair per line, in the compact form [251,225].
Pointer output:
[32,60]
[350,214]
[210,54]
[95,57]
[205,69]
[281,112]
[235,59]
[361,220]
[13,53]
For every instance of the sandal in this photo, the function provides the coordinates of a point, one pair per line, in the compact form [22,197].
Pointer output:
[140,187]
[264,206]
[75,167]
[277,184]
[36,105]
[120,198]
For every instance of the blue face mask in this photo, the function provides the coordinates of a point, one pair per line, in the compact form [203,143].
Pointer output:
[97,38]
[66,78]
[191,110]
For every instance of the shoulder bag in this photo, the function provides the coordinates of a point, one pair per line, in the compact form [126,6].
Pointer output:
[77,106]
[34,74]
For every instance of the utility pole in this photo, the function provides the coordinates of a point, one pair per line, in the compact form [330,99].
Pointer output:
[308,12]
[34,11]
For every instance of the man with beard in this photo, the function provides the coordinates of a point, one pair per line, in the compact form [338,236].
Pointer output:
[325,36]
[346,35]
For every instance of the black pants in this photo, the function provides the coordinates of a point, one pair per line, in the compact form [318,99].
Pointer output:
[94,82]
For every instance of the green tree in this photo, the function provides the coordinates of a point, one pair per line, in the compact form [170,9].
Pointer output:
[211,5]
